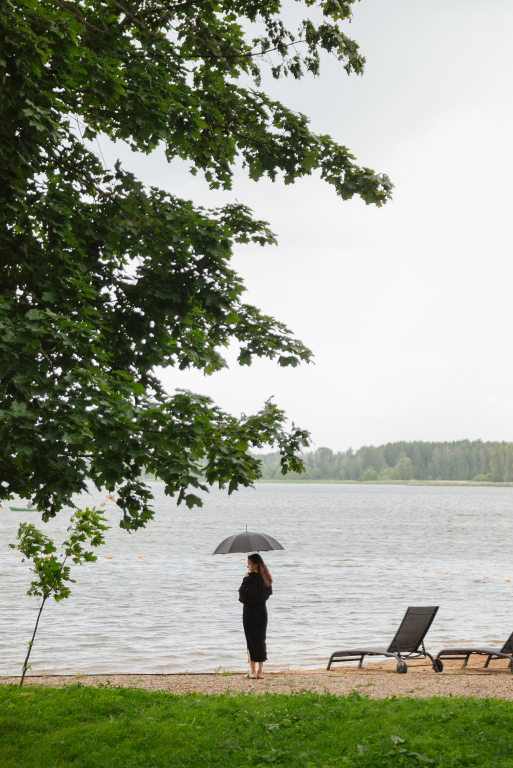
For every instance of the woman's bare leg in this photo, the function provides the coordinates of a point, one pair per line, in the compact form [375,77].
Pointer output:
[253,673]
[260,669]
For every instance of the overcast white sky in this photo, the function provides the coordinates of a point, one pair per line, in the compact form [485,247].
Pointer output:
[407,308]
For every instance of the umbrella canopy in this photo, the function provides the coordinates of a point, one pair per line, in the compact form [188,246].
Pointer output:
[247,542]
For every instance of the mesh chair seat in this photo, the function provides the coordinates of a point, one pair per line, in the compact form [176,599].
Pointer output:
[359,651]
[506,652]
[482,651]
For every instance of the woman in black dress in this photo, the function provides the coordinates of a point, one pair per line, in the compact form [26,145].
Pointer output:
[254,591]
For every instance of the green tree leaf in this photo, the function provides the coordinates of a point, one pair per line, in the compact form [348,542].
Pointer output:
[104,280]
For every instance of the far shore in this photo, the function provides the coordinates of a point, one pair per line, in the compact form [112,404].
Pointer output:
[293,480]
[298,481]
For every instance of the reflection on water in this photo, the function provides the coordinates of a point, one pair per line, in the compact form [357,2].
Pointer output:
[163,604]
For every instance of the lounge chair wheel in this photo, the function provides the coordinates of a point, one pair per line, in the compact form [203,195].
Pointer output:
[438,665]
[402,668]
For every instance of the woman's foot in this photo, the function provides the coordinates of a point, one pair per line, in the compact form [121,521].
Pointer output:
[252,676]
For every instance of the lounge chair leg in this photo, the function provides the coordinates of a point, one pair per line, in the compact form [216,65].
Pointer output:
[488,659]
[329,662]
[466,660]
[361,661]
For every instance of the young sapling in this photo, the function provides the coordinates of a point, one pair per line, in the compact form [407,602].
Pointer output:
[52,575]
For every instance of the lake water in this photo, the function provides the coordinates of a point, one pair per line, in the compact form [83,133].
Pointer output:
[163,604]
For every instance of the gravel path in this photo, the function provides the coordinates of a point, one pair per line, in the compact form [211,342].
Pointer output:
[377,681]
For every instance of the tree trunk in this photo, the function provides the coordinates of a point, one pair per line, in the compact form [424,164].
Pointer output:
[25,665]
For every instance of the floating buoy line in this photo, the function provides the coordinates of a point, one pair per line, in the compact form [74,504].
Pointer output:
[342,564]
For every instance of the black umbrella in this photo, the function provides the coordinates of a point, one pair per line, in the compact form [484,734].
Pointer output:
[247,542]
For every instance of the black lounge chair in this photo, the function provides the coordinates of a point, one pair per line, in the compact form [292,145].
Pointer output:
[506,652]
[408,642]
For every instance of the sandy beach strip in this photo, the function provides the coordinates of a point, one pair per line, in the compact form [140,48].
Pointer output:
[376,681]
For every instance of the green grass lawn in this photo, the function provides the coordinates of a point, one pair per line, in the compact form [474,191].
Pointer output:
[86,727]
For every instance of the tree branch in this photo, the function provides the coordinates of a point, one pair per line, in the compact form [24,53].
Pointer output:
[79,17]
[130,15]
[251,52]
[44,353]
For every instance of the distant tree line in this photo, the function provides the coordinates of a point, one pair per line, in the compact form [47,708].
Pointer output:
[459,460]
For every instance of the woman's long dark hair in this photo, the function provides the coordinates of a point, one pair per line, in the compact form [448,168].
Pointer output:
[265,577]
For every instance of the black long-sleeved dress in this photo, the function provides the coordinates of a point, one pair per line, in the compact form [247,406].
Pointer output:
[254,595]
